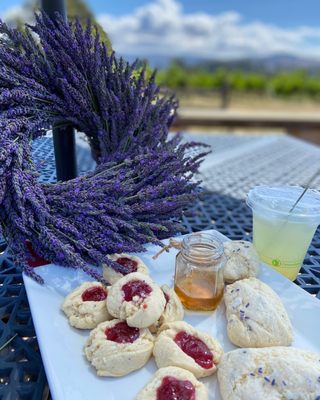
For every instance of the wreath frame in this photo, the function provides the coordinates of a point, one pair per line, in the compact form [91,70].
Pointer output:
[57,73]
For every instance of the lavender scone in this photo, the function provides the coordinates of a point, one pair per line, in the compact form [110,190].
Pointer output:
[242,260]
[277,373]
[256,316]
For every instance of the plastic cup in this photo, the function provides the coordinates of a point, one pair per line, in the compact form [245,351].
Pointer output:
[281,237]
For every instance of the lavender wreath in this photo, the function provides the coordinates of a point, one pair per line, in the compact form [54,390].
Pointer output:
[60,73]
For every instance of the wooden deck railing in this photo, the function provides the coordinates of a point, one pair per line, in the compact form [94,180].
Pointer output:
[302,124]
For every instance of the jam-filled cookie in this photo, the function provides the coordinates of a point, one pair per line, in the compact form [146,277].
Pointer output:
[173,310]
[128,264]
[181,345]
[115,349]
[172,383]
[86,306]
[136,299]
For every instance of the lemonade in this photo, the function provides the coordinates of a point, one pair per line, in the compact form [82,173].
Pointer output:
[282,244]
[281,235]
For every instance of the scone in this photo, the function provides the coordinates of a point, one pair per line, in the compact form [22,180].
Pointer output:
[173,310]
[86,306]
[242,260]
[136,299]
[181,345]
[116,349]
[172,383]
[126,264]
[256,316]
[277,373]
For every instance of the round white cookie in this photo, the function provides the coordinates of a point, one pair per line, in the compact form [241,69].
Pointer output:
[85,314]
[270,373]
[137,265]
[114,358]
[173,374]
[256,316]
[139,309]
[168,353]
[173,310]
[242,260]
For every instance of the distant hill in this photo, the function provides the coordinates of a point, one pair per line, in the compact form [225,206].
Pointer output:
[268,64]
[272,63]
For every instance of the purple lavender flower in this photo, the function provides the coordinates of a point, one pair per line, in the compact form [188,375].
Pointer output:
[143,181]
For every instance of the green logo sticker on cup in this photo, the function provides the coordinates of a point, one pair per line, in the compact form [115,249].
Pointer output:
[276,263]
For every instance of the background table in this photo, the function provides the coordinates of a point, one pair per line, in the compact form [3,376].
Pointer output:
[237,164]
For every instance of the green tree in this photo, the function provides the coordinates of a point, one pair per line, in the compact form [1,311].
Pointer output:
[282,83]
[220,77]
[288,83]
[247,81]
[75,8]
[201,80]
[174,77]
[79,9]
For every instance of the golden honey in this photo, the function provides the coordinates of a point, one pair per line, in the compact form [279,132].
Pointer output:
[199,272]
[197,292]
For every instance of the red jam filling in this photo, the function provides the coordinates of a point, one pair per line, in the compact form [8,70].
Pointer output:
[94,293]
[136,288]
[126,262]
[195,348]
[122,333]
[167,297]
[34,260]
[174,389]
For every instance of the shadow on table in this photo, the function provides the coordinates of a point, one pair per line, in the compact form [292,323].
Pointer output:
[230,216]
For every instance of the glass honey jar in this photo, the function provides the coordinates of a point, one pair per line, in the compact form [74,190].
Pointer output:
[198,278]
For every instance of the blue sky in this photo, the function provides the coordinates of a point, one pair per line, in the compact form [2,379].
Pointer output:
[286,13]
[206,28]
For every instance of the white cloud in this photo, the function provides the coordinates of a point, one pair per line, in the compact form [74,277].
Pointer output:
[18,13]
[163,28]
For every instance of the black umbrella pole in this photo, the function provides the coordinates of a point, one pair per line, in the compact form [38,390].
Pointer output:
[63,138]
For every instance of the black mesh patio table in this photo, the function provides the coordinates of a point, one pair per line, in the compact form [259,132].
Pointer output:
[236,164]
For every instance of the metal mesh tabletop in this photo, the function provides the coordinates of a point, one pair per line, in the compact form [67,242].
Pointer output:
[237,164]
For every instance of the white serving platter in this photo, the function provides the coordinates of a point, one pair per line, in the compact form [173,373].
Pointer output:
[70,376]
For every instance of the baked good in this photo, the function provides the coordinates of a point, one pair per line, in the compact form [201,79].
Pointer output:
[116,349]
[277,373]
[128,261]
[86,306]
[172,383]
[242,260]
[136,299]
[181,345]
[256,316]
[173,309]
